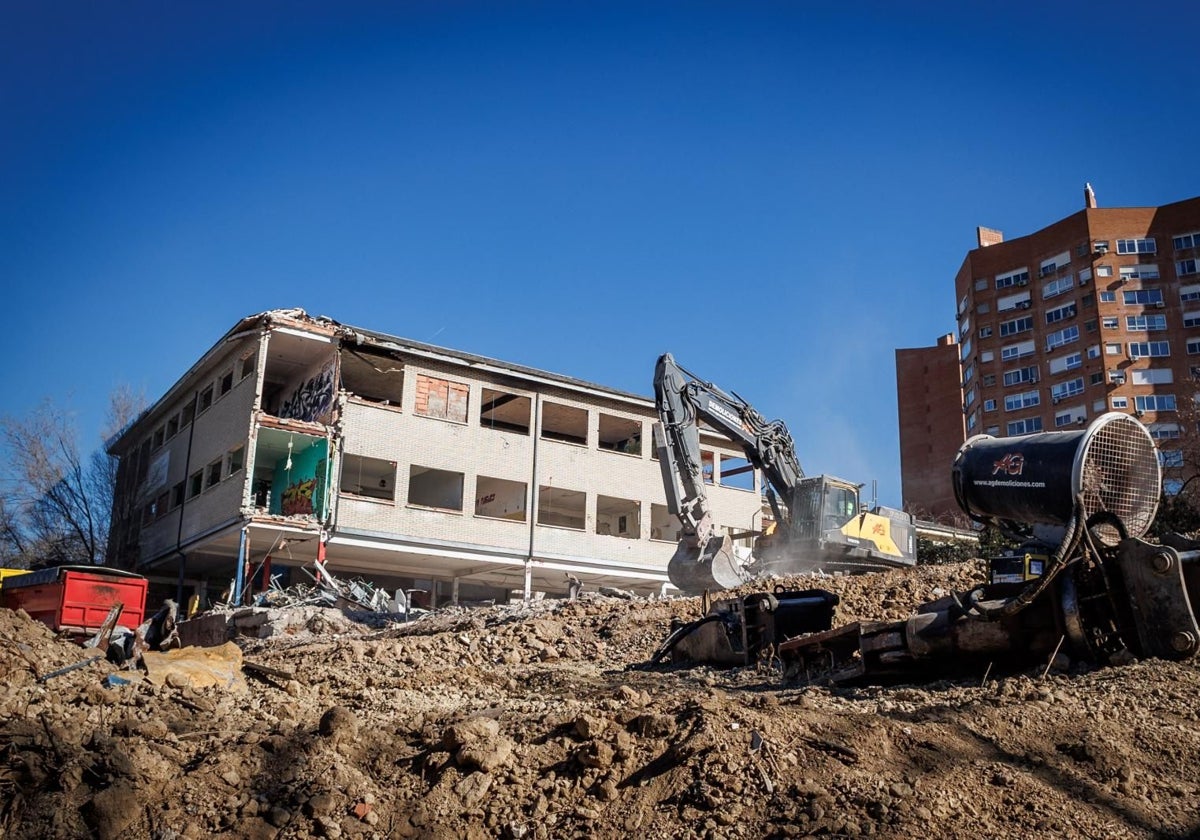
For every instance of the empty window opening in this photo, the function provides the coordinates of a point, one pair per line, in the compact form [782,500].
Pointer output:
[564,423]
[237,459]
[737,472]
[247,365]
[618,517]
[158,438]
[440,489]
[664,525]
[619,434]
[195,484]
[160,505]
[504,411]
[563,508]
[177,495]
[173,427]
[214,474]
[706,466]
[376,378]
[499,498]
[188,413]
[226,382]
[372,478]
[442,399]
[206,398]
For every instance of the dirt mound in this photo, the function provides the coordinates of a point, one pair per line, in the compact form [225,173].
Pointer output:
[523,722]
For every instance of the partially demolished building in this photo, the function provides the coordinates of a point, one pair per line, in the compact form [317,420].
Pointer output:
[297,438]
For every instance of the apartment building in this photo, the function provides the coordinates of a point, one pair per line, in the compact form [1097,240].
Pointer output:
[929,390]
[296,438]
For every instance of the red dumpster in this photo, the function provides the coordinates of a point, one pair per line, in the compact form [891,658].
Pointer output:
[76,599]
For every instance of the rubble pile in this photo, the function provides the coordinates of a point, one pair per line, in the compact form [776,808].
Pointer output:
[523,721]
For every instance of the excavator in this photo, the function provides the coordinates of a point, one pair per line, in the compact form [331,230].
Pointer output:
[820,523]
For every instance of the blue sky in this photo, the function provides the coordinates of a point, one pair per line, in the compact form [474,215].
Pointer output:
[778,193]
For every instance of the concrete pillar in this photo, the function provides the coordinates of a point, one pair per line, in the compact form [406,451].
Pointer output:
[528,580]
[454,591]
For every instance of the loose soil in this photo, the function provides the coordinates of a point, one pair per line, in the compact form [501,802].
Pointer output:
[524,722]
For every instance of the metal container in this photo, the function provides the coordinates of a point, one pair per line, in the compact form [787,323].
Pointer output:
[1112,464]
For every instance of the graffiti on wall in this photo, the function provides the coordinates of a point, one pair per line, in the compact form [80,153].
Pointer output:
[298,498]
[312,400]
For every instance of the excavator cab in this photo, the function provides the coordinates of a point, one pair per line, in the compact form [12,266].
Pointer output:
[822,504]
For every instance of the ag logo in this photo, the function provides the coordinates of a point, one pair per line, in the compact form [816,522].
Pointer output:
[1010,464]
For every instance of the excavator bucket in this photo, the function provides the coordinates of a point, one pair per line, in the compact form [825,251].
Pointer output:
[711,567]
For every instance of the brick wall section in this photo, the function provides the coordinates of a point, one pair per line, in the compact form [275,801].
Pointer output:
[929,400]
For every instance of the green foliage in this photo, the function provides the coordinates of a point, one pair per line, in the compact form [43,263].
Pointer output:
[991,543]
[1176,514]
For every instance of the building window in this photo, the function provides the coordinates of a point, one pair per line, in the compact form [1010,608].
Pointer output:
[1020,277]
[1152,376]
[1136,246]
[1186,240]
[1024,427]
[441,398]
[195,484]
[1150,349]
[1147,271]
[985,332]
[989,405]
[247,366]
[206,399]
[173,426]
[1058,286]
[1155,402]
[1028,399]
[188,413]
[1020,375]
[1143,297]
[1094,351]
[1191,319]
[1164,431]
[618,517]
[237,459]
[1096,378]
[1060,313]
[1170,457]
[431,488]
[989,379]
[226,382]
[1017,325]
[1062,337]
[1104,271]
[664,525]
[620,434]
[1108,297]
[1116,377]
[504,411]
[1185,267]
[1145,323]
[499,498]
[983,308]
[1065,363]
[214,474]
[981,285]
[1066,389]
[562,508]
[1111,322]
[159,437]
[1120,402]
[371,478]
[177,495]
[968,373]
[564,423]
[1016,351]
[1190,292]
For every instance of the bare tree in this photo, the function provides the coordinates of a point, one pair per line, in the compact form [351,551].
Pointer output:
[56,502]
